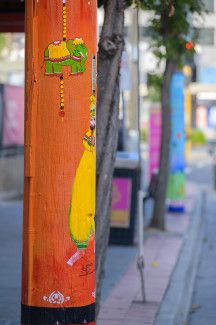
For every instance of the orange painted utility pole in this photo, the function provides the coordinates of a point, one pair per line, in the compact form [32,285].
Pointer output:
[58,274]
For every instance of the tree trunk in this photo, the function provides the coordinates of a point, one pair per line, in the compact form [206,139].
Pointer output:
[158,219]
[109,55]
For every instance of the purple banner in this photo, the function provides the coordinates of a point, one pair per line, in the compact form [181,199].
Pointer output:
[121,202]
[154,139]
[13,116]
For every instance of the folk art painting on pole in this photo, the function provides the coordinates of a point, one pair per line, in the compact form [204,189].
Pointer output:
[176,184]
[58,272]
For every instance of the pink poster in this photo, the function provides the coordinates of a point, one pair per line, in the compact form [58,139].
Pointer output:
[154,139]
[121,202]
[13,116]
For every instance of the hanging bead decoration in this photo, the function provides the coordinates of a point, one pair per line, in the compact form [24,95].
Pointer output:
[93,101]
[64,16]
[62,112]
[94,75]
[62,53]
[64,20]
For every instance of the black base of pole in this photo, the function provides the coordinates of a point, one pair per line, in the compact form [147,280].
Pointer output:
[44,316]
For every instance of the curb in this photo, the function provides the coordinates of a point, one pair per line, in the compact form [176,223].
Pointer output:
[175,306]
[11,195]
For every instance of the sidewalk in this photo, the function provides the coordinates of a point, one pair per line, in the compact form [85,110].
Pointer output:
[161,253]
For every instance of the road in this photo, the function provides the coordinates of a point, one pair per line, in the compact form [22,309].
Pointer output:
[200,169]
[203,310]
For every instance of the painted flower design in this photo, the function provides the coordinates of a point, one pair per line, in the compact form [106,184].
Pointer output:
[56,297]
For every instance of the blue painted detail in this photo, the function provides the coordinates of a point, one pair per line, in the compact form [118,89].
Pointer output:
[175,209]
[177,162]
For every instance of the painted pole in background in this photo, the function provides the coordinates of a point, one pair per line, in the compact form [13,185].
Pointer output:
[154,139]
[176,185]
[58,274]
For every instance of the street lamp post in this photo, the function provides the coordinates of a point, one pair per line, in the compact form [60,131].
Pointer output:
[58,271]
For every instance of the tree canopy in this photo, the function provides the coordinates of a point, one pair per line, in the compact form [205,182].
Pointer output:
[171,26]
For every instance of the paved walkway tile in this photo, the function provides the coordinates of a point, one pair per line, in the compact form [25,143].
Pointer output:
[124,304]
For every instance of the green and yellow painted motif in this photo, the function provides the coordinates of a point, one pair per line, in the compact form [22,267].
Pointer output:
[71,53]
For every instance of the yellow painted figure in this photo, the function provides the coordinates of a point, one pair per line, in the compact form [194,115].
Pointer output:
[82,205]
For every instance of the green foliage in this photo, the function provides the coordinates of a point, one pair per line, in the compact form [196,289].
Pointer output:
[144,135]
[197,137]
[154,84]
[2,42]
[171,26]
[154,94]
[171,30]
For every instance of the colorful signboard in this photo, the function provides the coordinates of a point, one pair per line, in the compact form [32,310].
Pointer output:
[154,139]
[121,202]
[13,116]
[176,185]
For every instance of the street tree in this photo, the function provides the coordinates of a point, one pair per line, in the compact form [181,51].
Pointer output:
[171,30]
[111,45]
